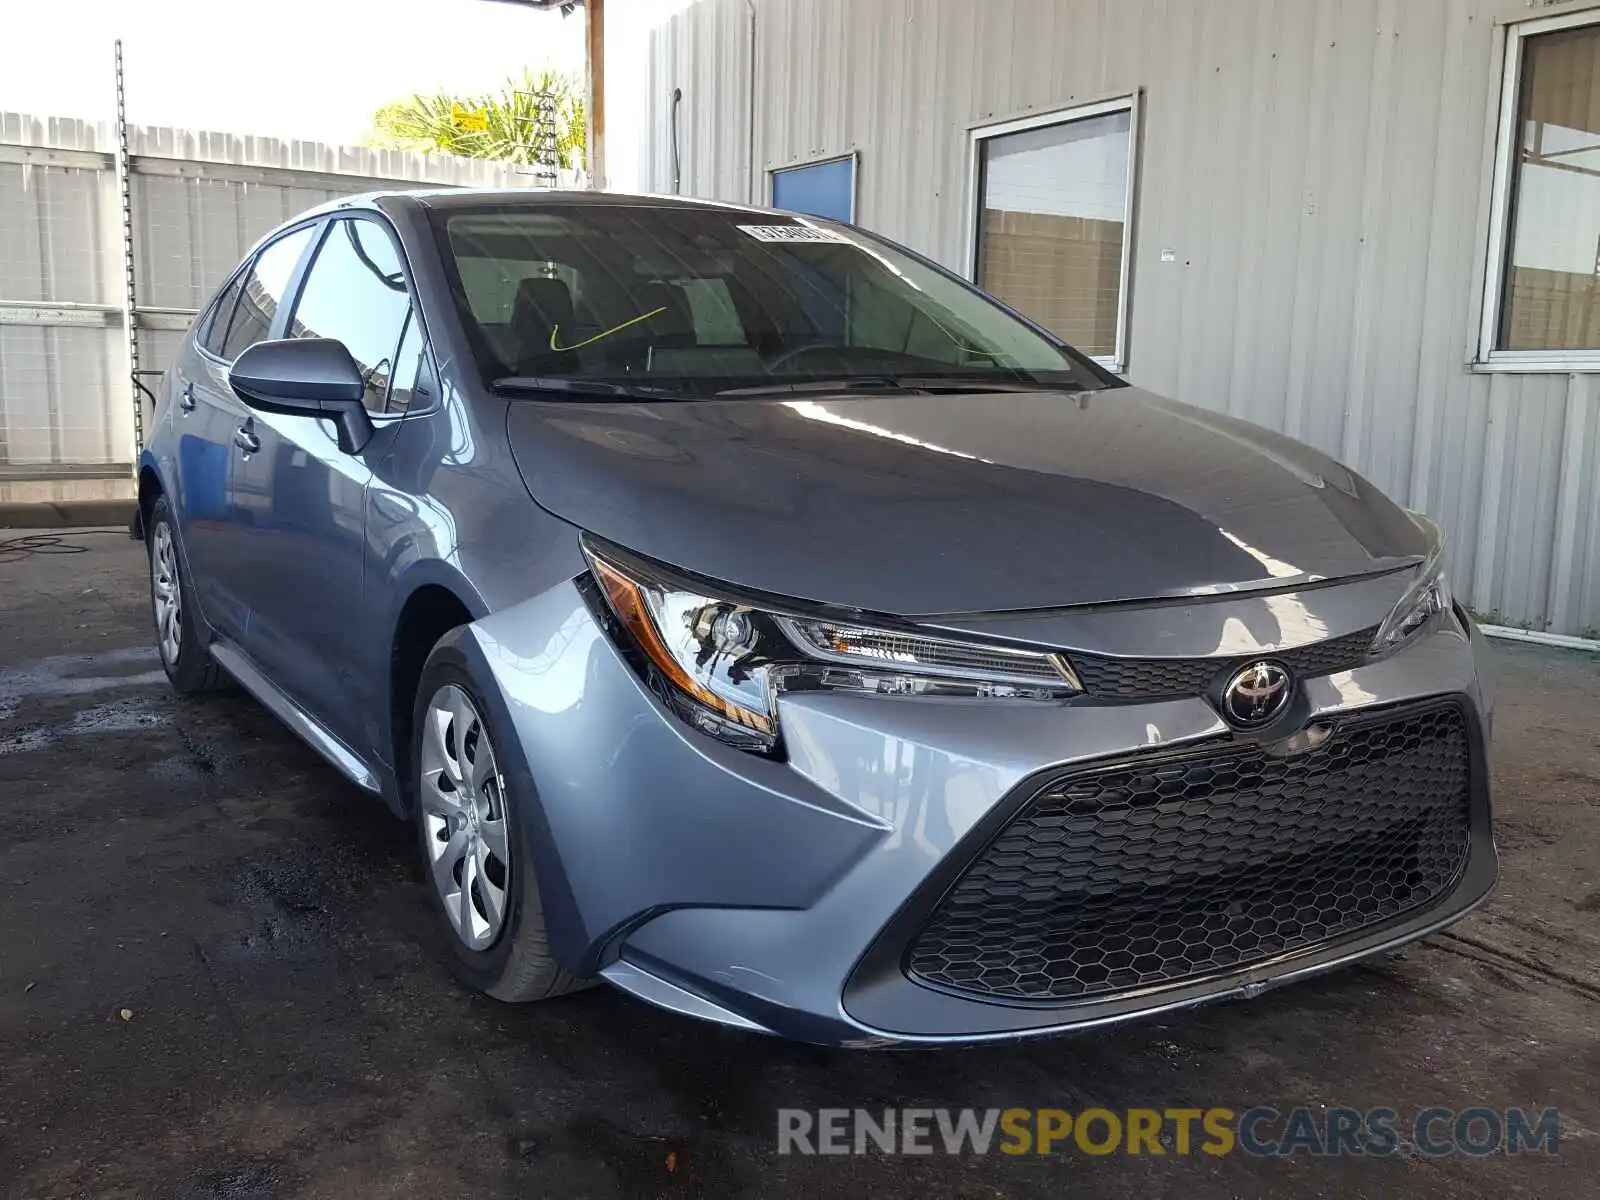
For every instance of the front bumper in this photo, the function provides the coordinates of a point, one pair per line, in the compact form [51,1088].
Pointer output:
[780,896]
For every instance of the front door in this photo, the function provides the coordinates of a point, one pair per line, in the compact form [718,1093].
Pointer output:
[300,500]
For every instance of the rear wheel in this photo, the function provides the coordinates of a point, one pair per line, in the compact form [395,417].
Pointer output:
[184,656]
[474,848]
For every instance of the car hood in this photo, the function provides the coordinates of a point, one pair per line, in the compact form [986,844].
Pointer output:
[934,504]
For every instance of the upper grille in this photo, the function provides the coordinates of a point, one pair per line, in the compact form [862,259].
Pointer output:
[1167,678]
[1147,873]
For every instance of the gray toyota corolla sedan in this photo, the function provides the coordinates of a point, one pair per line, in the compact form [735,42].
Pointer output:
[751,614]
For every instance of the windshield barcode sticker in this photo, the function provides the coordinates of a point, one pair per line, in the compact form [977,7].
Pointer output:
[793,233]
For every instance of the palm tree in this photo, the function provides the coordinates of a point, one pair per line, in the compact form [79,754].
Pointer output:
[504,125]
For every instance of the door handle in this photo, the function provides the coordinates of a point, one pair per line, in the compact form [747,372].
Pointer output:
[186,398]
[245,438]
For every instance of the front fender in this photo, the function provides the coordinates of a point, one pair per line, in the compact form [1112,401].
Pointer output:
[634,813]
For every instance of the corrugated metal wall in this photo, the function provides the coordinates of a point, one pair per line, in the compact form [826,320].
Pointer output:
[58,294]
[1320,171]
[199,201]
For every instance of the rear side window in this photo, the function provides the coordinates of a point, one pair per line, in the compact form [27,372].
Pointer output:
[265,286]
[356,293]
[217,331]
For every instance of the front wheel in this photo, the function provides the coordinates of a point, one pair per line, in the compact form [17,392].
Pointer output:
[474,849]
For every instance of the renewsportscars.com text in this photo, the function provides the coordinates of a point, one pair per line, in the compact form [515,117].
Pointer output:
[1261,1131]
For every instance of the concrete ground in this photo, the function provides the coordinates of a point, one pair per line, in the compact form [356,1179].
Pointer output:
[218,978]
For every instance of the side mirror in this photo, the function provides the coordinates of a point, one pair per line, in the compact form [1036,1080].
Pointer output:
[306,377]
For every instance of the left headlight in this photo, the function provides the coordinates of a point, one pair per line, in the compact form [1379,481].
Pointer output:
[721,663]
[1425,599]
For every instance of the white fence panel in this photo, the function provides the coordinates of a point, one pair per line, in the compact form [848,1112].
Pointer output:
[199,200]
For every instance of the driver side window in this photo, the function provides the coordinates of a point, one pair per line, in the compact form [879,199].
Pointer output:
[355,292]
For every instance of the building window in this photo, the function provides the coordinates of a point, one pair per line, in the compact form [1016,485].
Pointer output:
[819,189]
[1053,222]
[1543,301]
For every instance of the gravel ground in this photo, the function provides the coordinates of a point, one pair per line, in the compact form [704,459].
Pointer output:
[218,978]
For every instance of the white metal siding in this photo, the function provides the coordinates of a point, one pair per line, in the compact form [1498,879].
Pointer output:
[199,201]
[1320,170]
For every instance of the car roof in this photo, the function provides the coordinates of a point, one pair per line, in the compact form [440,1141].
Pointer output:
[449,198]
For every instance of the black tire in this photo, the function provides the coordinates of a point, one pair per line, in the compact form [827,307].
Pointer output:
[191,669]
[517,967]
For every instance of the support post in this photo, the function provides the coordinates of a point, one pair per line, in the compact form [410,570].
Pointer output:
[595,13]
[129,302]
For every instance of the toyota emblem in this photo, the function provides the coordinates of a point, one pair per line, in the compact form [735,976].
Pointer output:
[1256,694]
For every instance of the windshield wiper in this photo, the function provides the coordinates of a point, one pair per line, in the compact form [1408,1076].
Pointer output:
[586,387]
[911,384]
[925,385]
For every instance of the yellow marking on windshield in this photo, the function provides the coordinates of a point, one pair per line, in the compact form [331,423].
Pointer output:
[555,329]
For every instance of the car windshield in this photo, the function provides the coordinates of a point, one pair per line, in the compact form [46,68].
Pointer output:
[680,302]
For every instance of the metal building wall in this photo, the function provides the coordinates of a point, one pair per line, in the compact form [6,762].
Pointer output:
[199,201]
[1321,171]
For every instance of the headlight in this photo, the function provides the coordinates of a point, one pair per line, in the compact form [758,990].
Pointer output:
[721,664]
[1426,599]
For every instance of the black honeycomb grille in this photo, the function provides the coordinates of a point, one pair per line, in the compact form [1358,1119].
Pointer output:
[1166,678]
[1142,874]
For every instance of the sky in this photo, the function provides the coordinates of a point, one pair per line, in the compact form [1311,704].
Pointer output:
[313,69]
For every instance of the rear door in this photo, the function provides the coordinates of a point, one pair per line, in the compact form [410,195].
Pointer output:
[207,417]
[202,420]
[258,293]
[301,500]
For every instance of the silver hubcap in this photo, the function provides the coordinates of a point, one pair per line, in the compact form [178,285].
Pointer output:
[464,818]
[166,594]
